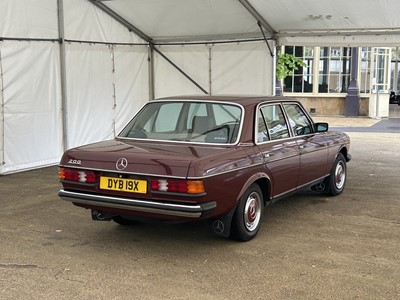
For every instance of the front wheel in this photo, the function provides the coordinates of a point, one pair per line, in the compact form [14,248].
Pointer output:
[248,215]
[337,178]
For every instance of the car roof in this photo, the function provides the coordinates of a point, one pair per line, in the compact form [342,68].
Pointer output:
[240,99]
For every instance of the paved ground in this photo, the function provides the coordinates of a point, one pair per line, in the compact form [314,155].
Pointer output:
[365,124]
[310,246]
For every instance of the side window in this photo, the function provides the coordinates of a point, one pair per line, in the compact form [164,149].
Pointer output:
[298,120]
[274,121]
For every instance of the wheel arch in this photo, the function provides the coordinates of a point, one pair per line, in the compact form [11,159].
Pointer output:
[344,151]
[263,181]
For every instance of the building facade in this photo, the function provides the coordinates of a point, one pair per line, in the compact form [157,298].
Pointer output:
[342,80]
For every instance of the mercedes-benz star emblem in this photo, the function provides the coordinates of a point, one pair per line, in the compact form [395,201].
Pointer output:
[218,227]
[121,164]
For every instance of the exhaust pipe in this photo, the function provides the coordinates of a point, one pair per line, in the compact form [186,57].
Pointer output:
[98,216]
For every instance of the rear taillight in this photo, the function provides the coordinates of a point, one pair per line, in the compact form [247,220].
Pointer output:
[77,175]
[177,186]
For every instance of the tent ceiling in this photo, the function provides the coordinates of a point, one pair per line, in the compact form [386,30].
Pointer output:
[370,22]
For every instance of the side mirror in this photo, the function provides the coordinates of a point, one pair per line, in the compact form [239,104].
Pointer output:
[321,127]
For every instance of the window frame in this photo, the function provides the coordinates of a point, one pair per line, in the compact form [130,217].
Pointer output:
[301,108]
[286,117]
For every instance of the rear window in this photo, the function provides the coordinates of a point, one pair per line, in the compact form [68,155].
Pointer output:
[186,121]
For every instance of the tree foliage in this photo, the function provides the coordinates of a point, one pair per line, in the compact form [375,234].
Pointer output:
[287,64]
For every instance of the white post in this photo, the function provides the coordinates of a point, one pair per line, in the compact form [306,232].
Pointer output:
[1,118]
[64,110]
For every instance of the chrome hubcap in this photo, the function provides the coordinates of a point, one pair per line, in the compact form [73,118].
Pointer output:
[340,175]
[252,211]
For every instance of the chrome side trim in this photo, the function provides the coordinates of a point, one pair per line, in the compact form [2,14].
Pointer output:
[169,209]
[312,182]
[226,172]
[300,187]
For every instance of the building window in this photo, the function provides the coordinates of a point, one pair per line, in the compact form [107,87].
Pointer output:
[334,70]
[365,70]
[301,81]
[394,69]
[382,60]
[327,70]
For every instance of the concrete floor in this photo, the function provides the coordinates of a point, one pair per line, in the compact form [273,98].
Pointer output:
[394,111]
[310,246]
[365,124]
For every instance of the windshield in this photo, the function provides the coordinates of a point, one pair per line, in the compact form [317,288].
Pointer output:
[186,121]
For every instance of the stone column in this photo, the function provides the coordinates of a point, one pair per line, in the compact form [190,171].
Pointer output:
[353,93]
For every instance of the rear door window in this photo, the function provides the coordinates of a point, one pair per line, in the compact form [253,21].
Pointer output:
[271,123]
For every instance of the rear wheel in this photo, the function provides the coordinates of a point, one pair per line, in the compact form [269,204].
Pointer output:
[248,216]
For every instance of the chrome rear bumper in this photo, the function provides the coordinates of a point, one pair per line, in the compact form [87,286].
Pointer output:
[169,209]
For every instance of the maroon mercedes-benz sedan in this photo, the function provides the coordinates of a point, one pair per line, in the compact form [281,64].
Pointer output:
[219,158]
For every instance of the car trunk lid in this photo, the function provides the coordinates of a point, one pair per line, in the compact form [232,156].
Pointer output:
[125,156]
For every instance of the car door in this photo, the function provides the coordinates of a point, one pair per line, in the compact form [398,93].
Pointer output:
[313,146]
[279,150]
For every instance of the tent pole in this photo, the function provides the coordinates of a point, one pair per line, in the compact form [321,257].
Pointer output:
[151,71]
[179,69]
[266,40]
[121,20]
[396,71]
[64,110]
[256,15]
[209,70]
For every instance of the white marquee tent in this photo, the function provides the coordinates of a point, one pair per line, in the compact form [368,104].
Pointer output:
[75,71]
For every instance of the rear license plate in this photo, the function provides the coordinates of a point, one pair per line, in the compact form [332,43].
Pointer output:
[123,185]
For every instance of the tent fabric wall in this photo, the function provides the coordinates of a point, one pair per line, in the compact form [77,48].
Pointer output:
[29,19]
[90,94]
[239,68]
[1,114]
[244,68]
[194,60]
[85,22]
[106,83]
[131,82]
[106,86]
[31,97]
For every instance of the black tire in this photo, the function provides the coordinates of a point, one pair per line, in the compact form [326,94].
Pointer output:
[337,179]
[249,214]
[123,221]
